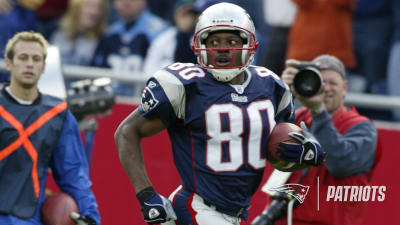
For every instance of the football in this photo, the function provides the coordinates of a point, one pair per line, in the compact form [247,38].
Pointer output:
[280,134]
[57,208]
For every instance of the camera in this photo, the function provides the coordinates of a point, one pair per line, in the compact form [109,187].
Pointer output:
[308,81]
[275,211]
[89,97]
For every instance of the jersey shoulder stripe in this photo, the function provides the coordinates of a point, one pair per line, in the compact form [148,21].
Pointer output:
[174,90]
[286,99]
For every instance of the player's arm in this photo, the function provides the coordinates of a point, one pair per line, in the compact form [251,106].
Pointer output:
[162,104]
[155,208]
[307,150]
[71,172]
[156,112]
[357,146]
[127,138]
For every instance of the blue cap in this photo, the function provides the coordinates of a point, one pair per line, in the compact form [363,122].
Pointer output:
[180,3]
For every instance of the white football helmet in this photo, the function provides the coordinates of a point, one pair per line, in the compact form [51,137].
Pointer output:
[221,17]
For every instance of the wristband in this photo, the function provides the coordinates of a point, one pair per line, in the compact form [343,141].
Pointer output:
[146,194]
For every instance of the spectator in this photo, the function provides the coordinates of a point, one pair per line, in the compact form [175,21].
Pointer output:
[49,15]
[394,58]
[279,16]
[255,10]
[38,132]
[163,9]
[77,38]
[174,45]
[15,16]
[350,142]
[124,47]
[80,31]
[322,27]
[112,13]
[372,32]
[30,4]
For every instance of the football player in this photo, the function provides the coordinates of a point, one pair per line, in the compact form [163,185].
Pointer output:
[218,115]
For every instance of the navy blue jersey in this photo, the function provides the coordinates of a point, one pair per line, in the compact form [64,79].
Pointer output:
[124,47]
[218,131]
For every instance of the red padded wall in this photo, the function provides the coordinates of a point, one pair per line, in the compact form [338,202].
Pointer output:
[116,198]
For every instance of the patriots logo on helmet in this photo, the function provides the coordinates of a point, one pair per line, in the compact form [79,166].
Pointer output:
[148,100]
[296,191]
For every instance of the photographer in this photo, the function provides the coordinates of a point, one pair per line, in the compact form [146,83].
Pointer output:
[349,139]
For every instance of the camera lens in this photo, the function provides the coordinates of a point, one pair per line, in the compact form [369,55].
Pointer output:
[307,82]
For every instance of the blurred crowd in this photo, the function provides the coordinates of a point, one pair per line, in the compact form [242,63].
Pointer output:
[137,37]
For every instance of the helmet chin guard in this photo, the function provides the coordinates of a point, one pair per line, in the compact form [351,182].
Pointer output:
[225,75]
[224,17]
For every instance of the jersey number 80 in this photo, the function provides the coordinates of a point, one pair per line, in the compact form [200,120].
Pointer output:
[234,136]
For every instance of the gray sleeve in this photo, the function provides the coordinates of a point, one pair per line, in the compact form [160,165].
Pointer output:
[174,90]
[348,154]
[285,111]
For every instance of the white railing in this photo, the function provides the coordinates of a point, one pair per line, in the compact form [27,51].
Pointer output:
[83,72]
[356,99]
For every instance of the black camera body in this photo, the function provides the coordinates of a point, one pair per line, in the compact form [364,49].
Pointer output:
[308,81]
[90,97]
[276,210]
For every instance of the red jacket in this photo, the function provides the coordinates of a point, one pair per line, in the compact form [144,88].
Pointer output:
[332,213]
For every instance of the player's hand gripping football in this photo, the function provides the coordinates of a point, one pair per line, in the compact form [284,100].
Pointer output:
[155,208]
[82,220]
[309,151]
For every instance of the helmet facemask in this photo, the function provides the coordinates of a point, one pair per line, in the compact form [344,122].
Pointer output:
[225,17]
[224,63]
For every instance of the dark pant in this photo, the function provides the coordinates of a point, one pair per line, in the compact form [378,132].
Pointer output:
[372,39]
[275,49]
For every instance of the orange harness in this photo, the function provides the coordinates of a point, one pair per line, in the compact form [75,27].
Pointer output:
[23,138]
